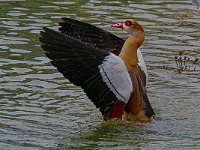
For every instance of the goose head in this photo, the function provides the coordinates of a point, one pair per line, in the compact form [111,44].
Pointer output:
[129,25]
[134,28]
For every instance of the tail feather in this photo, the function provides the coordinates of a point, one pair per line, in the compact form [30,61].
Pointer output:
[149,112]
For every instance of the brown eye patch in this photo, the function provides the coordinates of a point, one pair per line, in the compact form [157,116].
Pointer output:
[128,22]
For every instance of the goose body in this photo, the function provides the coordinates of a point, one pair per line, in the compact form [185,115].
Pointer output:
[111,71]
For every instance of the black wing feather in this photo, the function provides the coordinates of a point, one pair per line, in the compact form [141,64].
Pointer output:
[92,35]
[79,63]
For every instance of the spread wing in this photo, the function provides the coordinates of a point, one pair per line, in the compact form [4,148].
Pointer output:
[92,35]
[102,75]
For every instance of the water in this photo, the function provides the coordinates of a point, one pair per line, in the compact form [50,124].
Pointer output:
[39,109]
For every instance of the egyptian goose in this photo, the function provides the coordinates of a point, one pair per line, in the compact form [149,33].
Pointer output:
[111,71]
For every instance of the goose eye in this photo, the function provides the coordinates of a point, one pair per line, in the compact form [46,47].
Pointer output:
[128,23]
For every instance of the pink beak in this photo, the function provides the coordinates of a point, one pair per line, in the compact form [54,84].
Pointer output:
[118,25]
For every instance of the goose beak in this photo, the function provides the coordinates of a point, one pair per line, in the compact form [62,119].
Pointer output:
[117,25]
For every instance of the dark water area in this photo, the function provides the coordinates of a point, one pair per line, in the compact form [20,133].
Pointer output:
[39,109]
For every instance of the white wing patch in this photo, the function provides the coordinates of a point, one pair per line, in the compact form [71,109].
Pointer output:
[141,62]
[116,77]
